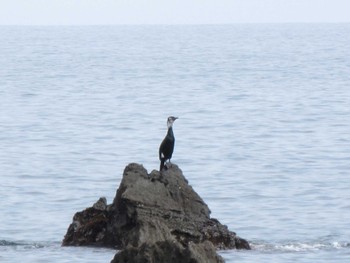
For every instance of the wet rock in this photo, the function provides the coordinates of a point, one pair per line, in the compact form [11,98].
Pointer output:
[169,252]
[152,213]
[88,228]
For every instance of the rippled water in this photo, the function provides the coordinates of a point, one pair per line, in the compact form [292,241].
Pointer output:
[263,133]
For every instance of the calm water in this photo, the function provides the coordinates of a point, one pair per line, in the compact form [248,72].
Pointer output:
[263,134]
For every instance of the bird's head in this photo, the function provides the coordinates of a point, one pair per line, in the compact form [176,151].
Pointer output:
[171,120]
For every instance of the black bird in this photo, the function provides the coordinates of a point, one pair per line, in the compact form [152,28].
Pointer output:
[166,148]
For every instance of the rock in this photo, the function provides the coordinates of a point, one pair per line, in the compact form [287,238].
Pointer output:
[101,204]
[156,215]
[88,228]
[170,252]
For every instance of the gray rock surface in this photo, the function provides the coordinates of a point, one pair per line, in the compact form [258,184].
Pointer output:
[153,216]
[169,252]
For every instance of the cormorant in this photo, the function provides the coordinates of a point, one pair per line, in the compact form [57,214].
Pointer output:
[167,146]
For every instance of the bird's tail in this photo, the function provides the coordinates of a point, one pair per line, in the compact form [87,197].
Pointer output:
[161,165]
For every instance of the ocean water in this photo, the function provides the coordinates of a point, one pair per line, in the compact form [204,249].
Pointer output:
[262,136]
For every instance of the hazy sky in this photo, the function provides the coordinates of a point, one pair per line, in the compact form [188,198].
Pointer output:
[76,12]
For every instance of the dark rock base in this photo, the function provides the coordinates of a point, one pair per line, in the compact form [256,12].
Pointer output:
[170,252]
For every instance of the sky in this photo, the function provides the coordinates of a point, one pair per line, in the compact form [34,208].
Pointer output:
[106,12]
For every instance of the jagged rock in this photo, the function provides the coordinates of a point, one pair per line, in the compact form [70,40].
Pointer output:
[101,204]
[88,228]
[150,213]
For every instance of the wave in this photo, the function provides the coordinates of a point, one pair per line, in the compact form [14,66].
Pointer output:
[297,246]
[7,243]
[27,245]
[259,245]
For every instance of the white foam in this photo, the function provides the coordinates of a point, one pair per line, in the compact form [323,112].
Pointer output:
[298,246]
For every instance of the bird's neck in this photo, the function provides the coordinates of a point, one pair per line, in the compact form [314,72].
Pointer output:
[170,131]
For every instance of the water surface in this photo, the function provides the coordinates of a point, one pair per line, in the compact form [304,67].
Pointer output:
[263,134]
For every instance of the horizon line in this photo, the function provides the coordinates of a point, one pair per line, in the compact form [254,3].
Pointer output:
[178,24]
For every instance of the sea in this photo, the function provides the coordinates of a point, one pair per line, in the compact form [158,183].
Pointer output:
[263,134]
